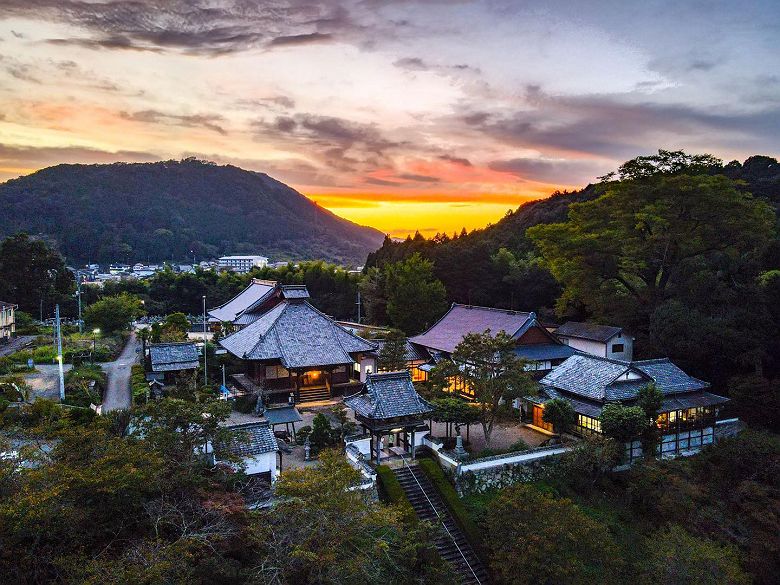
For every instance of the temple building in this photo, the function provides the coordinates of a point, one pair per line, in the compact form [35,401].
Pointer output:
[687,417]
[249,299]
[390,410]
[599,340]
[165,360]
[533,341]
[291,350]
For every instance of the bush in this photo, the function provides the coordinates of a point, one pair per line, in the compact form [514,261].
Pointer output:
[391,490]
[303,432]
[321,433]
[560,414]
[138,384]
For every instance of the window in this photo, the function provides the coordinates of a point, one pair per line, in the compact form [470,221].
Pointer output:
[618,348]
[587,425]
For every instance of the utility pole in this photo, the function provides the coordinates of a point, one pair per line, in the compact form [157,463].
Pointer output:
[205,364]
[358,307]
[78,294]
[58,329]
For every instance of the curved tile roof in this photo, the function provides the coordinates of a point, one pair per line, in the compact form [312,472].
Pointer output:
[448,331]
[256,291]
[389,395]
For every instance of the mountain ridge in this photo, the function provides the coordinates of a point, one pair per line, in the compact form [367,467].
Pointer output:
[176,209]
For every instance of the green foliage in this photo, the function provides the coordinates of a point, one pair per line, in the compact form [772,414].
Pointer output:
[174,209]
[587,463]
[415,297]
[673,556]
[113,313]
[623,423]
[560,414]
[84,385]
[31,273]
[649,399]
[322,433]
[391,489]
[392,355]
[138,384]
[757,400]
[302,433]
[534,537]
[322,532]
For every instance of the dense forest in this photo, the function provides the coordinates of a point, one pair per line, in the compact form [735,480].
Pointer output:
[175,210]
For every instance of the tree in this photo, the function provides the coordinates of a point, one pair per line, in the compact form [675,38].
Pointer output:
[321,531]
[322,433]
[415,297]
[32,275]
[534,537]
[650,399]
[491,370]
[392,354]
[623,423]
[449,410]
[589,461]
[675,557]
[175,328]
[113,313]
[668,245]
[560,414]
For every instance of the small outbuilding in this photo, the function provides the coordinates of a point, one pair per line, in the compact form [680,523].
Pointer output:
[166,359]
[389,406]
[254,443]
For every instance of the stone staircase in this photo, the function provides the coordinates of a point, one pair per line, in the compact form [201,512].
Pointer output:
[451,542]
[314,394]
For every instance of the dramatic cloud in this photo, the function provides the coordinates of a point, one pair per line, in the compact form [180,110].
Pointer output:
[448,112]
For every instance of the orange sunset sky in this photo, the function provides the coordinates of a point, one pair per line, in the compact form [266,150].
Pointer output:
[405,115]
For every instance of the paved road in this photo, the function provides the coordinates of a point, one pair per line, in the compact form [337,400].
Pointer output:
[118,393]
[45,381]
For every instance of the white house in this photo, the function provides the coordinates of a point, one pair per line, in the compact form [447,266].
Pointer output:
[254,443]
[242,263]
[599,340]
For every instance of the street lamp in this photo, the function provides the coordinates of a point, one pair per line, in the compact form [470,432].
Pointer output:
[95,333]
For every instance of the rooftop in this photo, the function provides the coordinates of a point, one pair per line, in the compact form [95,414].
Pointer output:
[298,335]
[602,379]
[460,320]
[256,291]
[169,357]
[590,331]
[388,395]
[249,440]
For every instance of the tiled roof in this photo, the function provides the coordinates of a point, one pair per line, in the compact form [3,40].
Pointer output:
[169,357]
[413,352]
[606,380]
[250,439]
[280,415]
[297,334]
[295,291]
[4,305]
[256,291]
[590,331]
[388,395]
[448,331]
[544,351]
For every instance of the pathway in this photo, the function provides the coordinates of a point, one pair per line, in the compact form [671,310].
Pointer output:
[16,344]
[118,394]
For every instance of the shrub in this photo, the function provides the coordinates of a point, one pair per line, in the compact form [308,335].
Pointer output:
[303,432]
[623,423]
[391,490]
[560,414]
[321,433]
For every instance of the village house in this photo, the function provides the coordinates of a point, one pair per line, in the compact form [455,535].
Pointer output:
[290,350]
[687,416]
[7,321]
[248,300]
[599,340]
[255,445]
[533,342]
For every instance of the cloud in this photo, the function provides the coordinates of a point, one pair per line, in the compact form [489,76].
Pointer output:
[419,178]
[190,26]
[464,162]
[209,121]
[561,171]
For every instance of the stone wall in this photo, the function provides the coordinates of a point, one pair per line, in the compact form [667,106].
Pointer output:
[502,476]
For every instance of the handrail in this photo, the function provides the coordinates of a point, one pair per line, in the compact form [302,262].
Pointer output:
[435,511]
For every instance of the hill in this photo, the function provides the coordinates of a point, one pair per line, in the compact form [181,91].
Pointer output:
[174,210]
[474,272]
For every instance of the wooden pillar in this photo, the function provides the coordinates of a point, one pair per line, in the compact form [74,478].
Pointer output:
[378,448]
[413,445]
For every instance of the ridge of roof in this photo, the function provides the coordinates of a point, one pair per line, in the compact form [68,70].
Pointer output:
[334,323]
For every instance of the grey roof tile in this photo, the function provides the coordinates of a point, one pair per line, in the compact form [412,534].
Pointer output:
[256,291]
[168,357]
[298,335]
[388,395]
[249,439]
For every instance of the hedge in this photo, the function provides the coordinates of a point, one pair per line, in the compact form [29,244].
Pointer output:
[391,490]
[455,505]
[138,384]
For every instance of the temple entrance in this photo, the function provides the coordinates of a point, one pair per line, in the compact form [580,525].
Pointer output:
[538,421]
[313,378]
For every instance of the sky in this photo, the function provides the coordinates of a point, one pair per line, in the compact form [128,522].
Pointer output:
[429,115]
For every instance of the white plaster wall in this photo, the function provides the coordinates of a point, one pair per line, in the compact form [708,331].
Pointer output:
[628,348]
[367,363]
[362,445]
[585,345]
[262,464]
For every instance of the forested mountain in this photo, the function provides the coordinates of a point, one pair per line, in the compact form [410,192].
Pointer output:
[174,210]
[474,270]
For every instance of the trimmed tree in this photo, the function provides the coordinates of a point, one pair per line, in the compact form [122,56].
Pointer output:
[650,399]
[392,356]
[623,423]
[560,414]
